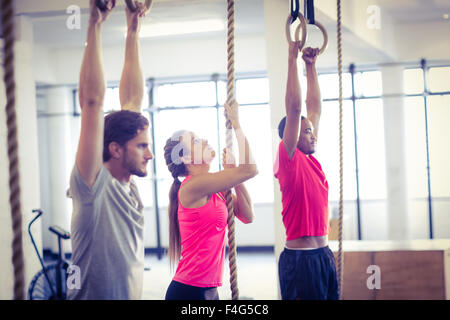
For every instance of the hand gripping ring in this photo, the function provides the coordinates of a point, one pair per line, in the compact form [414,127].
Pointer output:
[325,36]
[132,7]
[100,4]
[130,4]
[301,26]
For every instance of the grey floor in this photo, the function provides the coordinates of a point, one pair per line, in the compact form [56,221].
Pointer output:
[257,277]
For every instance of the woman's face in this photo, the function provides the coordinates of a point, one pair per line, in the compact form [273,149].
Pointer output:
[199,150]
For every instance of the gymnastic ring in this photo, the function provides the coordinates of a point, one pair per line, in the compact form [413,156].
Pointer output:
[325,36]
[132,7]
[301,26]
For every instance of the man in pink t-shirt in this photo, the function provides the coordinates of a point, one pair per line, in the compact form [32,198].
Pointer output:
[306,267]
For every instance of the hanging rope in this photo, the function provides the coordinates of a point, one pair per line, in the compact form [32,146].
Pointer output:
[229,145]
[7,17]
[340,262]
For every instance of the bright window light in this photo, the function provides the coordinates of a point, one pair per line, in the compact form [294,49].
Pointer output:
[160,29]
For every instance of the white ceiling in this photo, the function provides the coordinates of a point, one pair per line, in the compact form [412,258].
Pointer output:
[413,11]
[50,27]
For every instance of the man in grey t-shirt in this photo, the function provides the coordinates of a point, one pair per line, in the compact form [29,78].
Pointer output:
[107,221]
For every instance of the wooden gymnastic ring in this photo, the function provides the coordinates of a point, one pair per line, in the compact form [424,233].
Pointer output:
[132,7]
[301,26]
[325,36]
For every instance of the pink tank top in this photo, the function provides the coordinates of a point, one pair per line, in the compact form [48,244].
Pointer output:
[202,242]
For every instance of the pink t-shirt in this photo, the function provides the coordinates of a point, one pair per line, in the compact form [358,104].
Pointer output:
[304,194]
[203,242]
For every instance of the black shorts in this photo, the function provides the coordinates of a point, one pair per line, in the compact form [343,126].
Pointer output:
[181,291]
[308,274]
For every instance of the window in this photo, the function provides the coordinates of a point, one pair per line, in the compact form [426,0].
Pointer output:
[413,81]
[368,84]
[185,94]
[328,149]
[415,148]
[111,101]
[221,92]
[439,124]
[426,129]
[255,121]
[371,149]
[208,122]
[251,91]
[329,87]
[439,79]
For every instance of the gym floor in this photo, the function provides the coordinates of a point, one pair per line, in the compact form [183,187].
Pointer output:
[257,277]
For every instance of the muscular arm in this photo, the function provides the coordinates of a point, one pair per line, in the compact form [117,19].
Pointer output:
[292,102]
[91,95]
[131,88]
[313,99]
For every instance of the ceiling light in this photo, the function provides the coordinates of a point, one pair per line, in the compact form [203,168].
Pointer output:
[180,27]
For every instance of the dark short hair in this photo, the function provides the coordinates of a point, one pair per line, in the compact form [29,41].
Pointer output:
[282,125]
[121,127]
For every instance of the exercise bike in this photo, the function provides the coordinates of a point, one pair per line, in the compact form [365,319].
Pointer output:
[50,282]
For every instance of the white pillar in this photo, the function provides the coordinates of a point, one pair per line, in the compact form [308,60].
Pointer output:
[59,106]
[28,161]
[394,132]
[275,15]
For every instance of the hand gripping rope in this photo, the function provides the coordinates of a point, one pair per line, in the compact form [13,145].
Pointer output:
[229,145]
[340,257]
[7,18]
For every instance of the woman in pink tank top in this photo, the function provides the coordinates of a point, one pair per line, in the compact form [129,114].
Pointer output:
[198,212]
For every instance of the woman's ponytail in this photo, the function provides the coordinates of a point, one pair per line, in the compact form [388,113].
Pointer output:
[176,170]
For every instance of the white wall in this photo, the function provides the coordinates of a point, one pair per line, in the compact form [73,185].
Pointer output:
[423,40]
[179,57]
[43,65]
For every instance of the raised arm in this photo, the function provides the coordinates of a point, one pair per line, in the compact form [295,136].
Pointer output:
[292,101]
[313,99]
[131,88]
[91,95]
[205,184]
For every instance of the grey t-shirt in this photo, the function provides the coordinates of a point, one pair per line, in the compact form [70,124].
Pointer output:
[107,232]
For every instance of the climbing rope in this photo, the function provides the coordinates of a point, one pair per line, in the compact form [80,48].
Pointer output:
[340,257]
[229,145]
[7,18]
